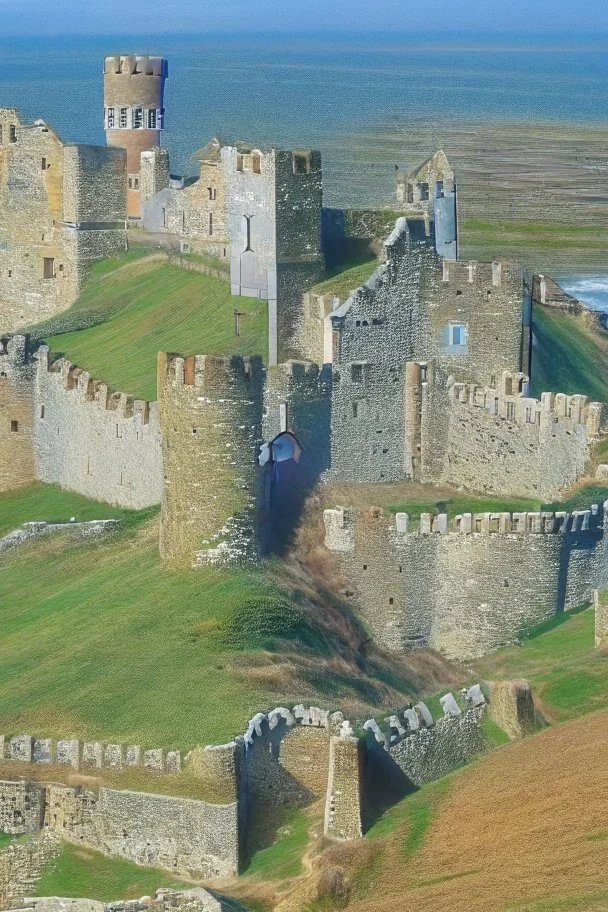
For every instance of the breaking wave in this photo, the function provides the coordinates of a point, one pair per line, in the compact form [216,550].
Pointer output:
[591,289]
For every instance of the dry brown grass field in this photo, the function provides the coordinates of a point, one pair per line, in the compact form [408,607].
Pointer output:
[525,829]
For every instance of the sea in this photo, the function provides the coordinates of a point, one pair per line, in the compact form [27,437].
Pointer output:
[338,92]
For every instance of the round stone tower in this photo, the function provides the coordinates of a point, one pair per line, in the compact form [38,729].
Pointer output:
[134,87]
[210,415]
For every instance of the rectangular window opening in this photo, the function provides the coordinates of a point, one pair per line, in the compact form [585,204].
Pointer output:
[122,123]
[211,223]
[356,373]
[12,131]
[256,164]
[138,118]
[152,119]
[111,118]
[457,335]
[424,192]
[14,426]
[49,268]
[43,164]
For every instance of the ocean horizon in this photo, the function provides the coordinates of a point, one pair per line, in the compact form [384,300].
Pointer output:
[351,94]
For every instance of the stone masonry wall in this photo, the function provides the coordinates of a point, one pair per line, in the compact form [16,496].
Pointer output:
[343,803]
[471,588]
[376,332]
[49,193]
[21,865]
[105,446]
[16,415]
[501,441]
[210,415]
[166,900]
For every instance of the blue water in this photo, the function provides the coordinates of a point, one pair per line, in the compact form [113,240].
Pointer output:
[591,289]
[338,93]
[317,90]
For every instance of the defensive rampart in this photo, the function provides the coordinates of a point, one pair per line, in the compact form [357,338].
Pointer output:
[101,444]
[502,441]
[77,530]
[211,417]
[286,758]
[467,586]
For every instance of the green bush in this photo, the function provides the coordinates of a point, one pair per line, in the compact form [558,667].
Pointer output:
[258,621]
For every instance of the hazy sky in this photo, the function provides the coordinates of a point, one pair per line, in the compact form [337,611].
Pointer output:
[148,16]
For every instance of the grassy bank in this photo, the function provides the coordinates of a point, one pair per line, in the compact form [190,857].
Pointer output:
[126,315]
[166,658]
[346,278]
[568,675]
[49,503]
[80,872]
[567,357]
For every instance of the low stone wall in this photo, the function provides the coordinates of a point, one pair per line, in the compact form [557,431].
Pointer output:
[31,530]
[83,755]
[21,865]
[166,900]
[470,585]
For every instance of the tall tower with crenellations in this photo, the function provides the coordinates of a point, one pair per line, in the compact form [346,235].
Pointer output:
[134,87]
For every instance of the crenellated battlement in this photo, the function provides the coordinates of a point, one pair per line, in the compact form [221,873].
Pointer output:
[457,272]
[89,390]
[508,399]
[134,65]
[89,755]
[341,524]
[201,371]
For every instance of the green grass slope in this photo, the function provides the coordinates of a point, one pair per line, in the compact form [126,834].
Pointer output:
[100,640]
[126,315]
[79,872]
[568,675]
[566,357]
[346,278]
[51,504]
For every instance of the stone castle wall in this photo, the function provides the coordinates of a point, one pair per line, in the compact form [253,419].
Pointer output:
[503,442]
[50,193]
[457,322]
[21,865]
[17,466]
[165,900]
[105,446]
[210,417]
[468,587]
[375,332]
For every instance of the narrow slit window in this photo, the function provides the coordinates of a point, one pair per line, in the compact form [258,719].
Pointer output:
[248,232]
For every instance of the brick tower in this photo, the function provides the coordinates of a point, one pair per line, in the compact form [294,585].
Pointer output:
[134,89]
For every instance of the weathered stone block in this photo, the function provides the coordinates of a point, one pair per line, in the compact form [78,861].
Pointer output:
[68,752]
[174,762]
[133,755]
[20,748]
[449,705]
[112,756]
[42,751]
[512,707]
[154,759]
[92,754]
